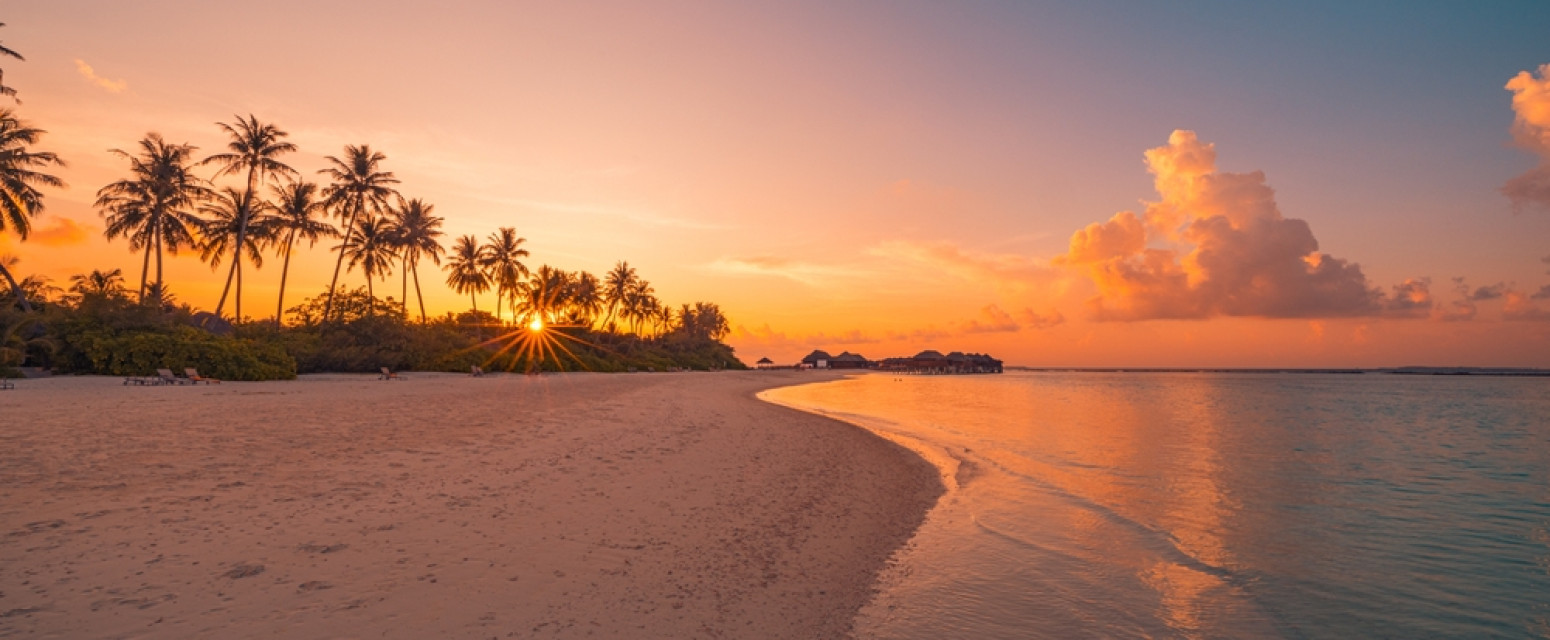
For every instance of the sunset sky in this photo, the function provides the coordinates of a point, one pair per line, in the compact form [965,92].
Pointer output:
[1059,184]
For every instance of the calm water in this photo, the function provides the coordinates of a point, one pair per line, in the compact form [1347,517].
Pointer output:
[1216,505]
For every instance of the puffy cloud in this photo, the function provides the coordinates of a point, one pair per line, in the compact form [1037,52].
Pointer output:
[1035,320]
[992,320]
[1461,309]
[1517,306]
[1225,250]
[1490,292]
[1531,130]
[61,232]
[1542,294]
[111,86]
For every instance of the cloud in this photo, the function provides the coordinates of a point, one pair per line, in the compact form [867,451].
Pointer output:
[778,267]
[1460,310]
[1531,131]
[111,86]
[62,232]
[991,320]
[998,268]
[1217,245]
[1545,260]
[1491,292]
[1542,294]
[1517,306]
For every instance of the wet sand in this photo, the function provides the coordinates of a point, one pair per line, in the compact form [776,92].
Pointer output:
[578,505]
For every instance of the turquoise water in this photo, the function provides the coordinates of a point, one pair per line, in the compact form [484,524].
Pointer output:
[1215,505]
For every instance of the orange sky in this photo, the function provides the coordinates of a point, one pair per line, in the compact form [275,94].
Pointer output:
[885,177]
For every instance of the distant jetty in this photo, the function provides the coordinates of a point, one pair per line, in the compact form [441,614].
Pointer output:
[928,362]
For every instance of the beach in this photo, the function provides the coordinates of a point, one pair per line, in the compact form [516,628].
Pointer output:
[440,505]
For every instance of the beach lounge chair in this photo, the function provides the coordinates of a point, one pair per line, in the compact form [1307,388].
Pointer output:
[387,375]
[141,380]
[476,371]
[6,384]
[167,377]
[195,378]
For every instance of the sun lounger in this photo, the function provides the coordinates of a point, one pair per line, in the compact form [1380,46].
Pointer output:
[195,378]
[6,384]
[387,375]
[476,371]
[141,380]
[167,377]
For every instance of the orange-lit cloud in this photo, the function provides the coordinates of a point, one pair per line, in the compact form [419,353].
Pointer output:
[60,232]
[1217,245]
[1517,306]
[111,86]
[1531,130]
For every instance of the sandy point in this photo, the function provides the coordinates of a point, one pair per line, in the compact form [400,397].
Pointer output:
[342,506]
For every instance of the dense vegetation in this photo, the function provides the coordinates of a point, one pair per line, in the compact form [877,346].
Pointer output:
[558,320]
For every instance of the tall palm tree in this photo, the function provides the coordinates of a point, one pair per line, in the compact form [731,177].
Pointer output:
[359,186]
[155,207]
[640,303]
[544,295]
[503,258]
[255,148]
[369,245]
[299,213]
[4,90]
[20,177]
[616,286]
[416,233]
[465,270]
[231,220]
[108,284]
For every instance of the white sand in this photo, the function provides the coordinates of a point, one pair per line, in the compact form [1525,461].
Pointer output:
[640,506]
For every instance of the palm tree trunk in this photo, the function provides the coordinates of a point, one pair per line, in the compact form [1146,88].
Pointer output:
[236,252]
[371,297]
[145,271]
[161,289]
[237,310]
[285,267]
[418,296]
[328,307]
[230,273]
[403,263]
[26,306]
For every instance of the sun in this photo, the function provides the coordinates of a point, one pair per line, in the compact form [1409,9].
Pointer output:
[536,325]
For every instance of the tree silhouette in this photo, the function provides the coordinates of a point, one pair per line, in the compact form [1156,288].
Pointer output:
[369,245]
[298,212]
[20,177]
[154,207]
[359,186]
[232,221]
[255,148]
[465,270]
[416,233]
[503,259]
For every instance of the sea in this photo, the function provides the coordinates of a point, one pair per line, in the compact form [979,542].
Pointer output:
[1214,505]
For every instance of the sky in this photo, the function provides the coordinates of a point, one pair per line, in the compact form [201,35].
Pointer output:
[1094,184]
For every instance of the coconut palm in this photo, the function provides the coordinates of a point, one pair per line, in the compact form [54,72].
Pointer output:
[4,90]
[640,303]
[616,285]
[586,297]
[108,284]
[503,260]
[359,186]
[370,246]
[416,234]
[543,296]
[231,219]
[154,208]
[465,270]
[254,148]
[299,213]
[21,175]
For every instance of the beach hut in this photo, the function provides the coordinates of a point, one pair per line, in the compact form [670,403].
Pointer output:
[818,359]
[764,363]
[848,360]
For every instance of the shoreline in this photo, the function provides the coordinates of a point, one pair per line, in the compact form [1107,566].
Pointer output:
[646,505]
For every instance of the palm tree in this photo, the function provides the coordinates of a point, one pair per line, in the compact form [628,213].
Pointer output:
[544,295]
[503,258]
[586,297]
[20,178]
[370,245]
[230,220]
[465,270]
[106,284]
[616,286]
[416,232]
[4,90]
[298,211]
[255,148]
[359,186]
[640,304]
[153,208]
